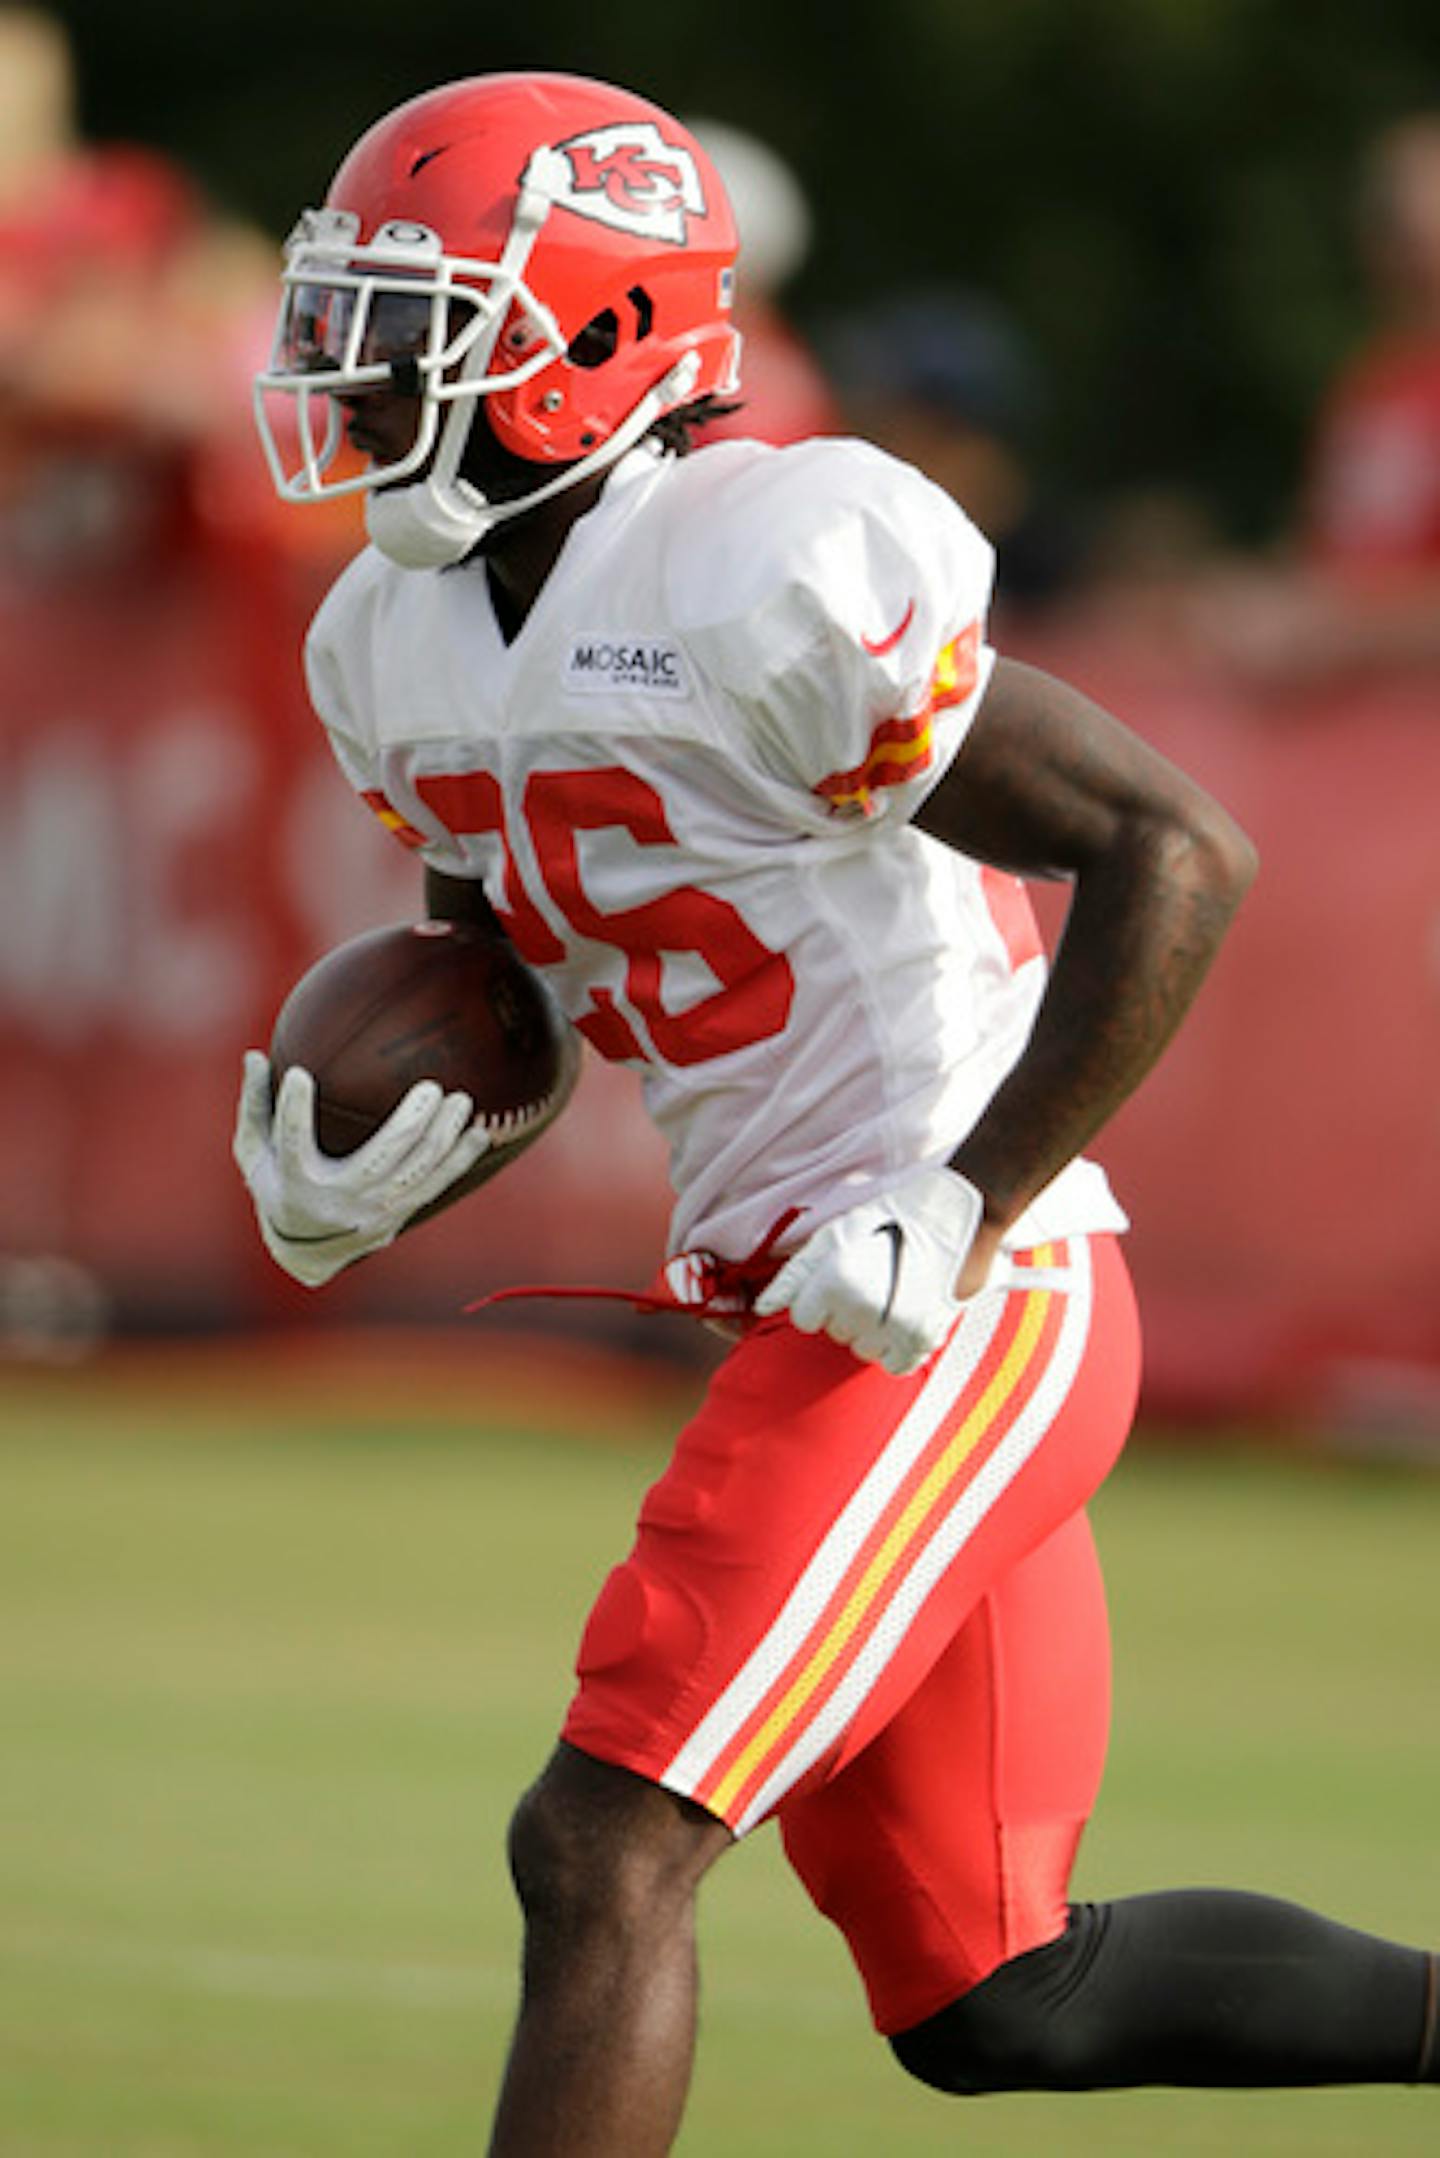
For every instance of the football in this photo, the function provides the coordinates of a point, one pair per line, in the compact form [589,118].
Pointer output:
[449,1001]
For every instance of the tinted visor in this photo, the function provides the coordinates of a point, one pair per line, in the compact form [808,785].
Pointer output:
[330,329]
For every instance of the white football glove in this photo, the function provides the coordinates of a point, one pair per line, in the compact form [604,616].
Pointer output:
[319,1212]
[881,1278]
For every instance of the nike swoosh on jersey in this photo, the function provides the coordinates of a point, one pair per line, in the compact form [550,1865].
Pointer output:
[896,1234]
[878,647]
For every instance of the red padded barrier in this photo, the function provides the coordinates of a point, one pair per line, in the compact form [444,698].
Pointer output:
[175,845]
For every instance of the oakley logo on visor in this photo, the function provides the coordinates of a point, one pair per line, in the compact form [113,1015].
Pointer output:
[630,177]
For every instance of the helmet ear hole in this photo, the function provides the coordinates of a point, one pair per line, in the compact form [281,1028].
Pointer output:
[644,308]
[596,343]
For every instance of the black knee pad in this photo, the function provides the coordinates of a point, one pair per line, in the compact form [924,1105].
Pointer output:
[1007,2033]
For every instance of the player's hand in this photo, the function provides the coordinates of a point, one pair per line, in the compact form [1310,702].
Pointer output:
[884,1278]
[319,1212]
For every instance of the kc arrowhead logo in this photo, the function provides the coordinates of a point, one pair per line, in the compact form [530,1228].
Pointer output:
[629,177]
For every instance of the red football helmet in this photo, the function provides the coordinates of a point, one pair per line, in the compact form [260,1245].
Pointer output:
[559,247]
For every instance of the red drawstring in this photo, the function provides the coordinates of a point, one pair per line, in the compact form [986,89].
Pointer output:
[641,1299]
[696,1284]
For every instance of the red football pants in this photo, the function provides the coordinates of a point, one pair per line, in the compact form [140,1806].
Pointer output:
[871,1606]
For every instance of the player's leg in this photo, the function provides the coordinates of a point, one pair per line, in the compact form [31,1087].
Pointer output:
[606,1866]
[1199,1987]
[944,1851]
[812,1548]
[825,1529]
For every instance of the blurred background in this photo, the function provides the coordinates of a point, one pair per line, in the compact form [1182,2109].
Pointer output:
[1153,288]
[288,1589]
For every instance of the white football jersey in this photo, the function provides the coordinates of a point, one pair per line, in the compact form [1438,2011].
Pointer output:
[687,786]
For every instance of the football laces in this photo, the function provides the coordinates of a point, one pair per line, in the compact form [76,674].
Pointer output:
[506,1125]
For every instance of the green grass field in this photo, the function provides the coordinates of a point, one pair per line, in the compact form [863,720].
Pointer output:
[274,1662]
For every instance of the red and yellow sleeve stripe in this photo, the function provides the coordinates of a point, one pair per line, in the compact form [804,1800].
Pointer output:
[391,818]
[957,670]
[901,749]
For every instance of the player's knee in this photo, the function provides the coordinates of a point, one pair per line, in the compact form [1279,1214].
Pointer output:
[590,1843]
[1021,2029]
[564,1866]
[952,2057]
[541,1851]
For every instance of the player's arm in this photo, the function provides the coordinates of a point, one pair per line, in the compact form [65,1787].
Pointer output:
[1046,784]
[1049,784]
[458,899]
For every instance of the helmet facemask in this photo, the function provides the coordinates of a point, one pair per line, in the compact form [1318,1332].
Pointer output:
[397,314]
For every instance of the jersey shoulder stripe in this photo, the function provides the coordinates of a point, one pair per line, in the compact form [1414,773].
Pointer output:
[901,749]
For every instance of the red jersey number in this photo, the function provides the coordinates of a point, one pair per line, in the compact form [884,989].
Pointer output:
[756,986]
[471,802]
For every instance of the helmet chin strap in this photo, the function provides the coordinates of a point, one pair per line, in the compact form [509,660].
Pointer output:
[416,527]
[436,521]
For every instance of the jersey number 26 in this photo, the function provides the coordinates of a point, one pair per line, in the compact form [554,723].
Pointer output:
[756,984]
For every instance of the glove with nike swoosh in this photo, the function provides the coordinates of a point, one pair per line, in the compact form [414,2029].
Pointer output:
[319,1212]
[881,1278]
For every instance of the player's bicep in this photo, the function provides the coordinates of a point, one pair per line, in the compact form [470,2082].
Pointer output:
[1047,782]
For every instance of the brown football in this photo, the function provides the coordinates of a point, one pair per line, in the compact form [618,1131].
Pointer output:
[450,1001]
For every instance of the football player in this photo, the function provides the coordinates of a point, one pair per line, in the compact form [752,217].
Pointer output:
[719,739]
